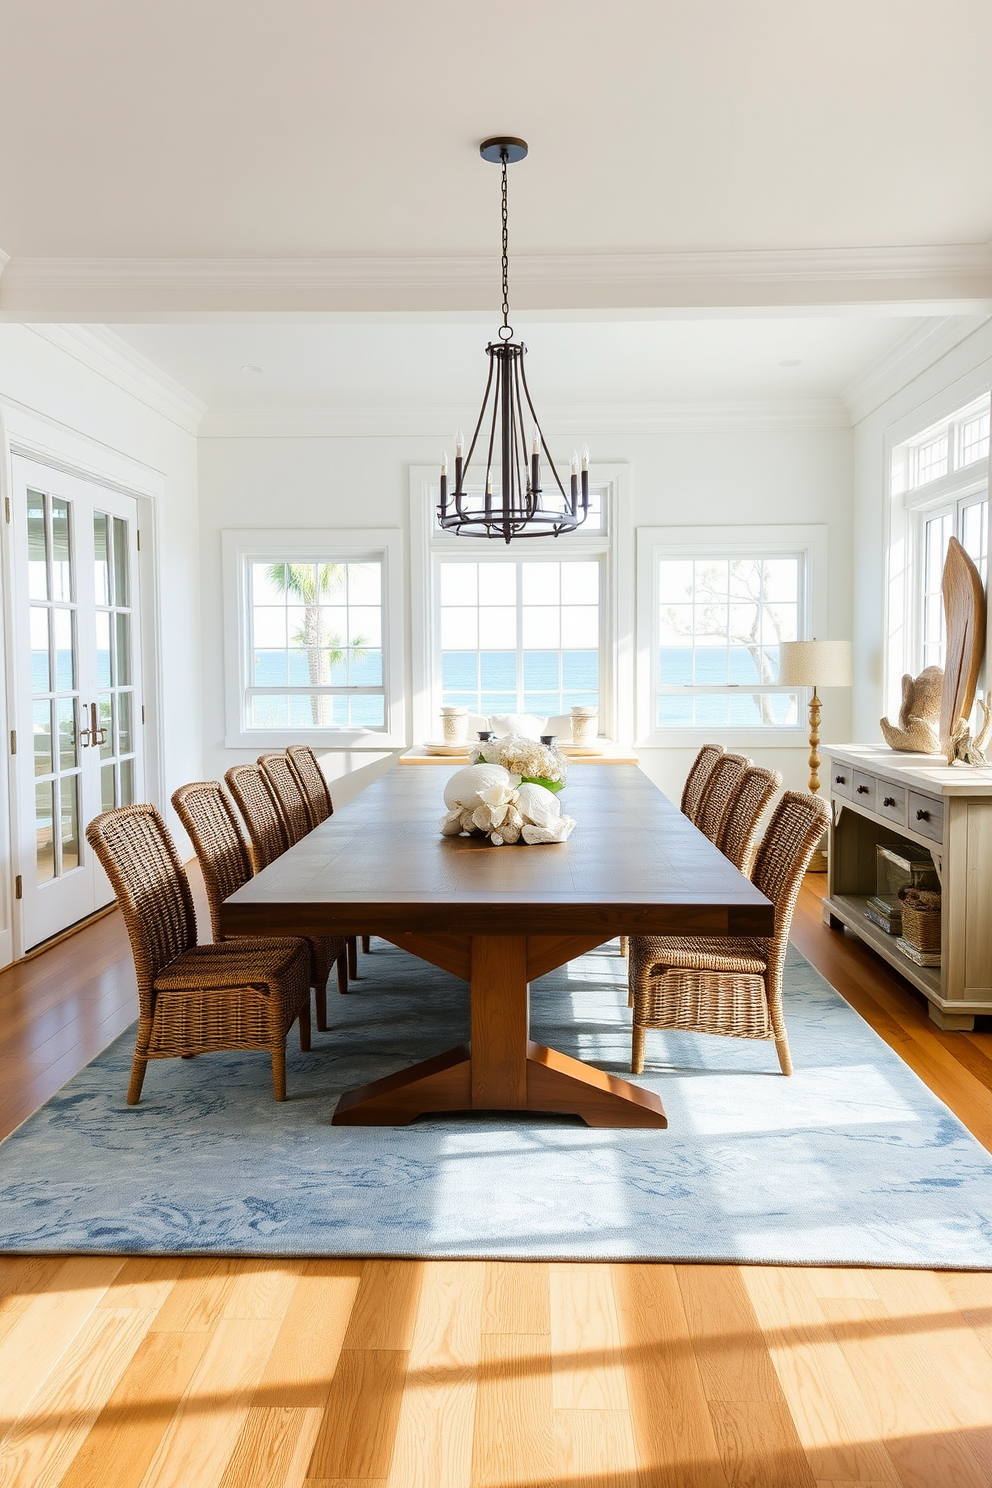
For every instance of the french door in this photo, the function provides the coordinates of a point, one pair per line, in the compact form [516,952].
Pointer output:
[77,734]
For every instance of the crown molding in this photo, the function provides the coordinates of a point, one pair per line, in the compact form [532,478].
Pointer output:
[921,345]
[108,355]
[437,422]
[794,276]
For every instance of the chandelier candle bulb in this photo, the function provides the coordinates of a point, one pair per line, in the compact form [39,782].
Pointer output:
[444,482]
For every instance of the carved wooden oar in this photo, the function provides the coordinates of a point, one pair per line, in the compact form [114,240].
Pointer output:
[965,618]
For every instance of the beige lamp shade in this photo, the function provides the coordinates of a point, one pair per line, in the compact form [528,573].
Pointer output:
[815,664]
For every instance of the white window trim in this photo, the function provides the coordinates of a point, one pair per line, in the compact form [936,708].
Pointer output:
[615,541]
[655,543]
[901,621]
[239,548]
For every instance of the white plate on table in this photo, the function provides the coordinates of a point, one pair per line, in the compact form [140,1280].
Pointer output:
[439,748]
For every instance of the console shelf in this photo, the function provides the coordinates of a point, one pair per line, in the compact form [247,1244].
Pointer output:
[879,796]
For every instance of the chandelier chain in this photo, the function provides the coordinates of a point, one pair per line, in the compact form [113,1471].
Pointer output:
[506,327]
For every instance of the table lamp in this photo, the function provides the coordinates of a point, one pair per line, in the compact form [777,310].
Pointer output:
[815,664]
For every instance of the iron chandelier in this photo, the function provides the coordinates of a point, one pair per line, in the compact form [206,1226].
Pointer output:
[520,508]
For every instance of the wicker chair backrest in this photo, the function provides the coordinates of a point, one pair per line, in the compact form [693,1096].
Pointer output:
[721,787]
[739,832]
[139,857]
[213,828]
[312,782]
[255,799]
[292,802]
[796,826]
[695,781]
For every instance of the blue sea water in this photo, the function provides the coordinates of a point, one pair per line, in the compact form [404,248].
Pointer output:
[550,682]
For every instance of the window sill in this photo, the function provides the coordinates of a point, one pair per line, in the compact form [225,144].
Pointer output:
[731,738]
[326,740]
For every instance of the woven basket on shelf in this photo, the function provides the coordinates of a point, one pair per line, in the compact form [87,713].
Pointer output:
[921,918]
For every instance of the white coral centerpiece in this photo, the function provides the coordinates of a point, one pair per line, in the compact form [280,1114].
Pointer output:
[489,799]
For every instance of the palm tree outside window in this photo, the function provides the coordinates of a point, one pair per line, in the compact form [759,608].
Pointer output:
[316,645]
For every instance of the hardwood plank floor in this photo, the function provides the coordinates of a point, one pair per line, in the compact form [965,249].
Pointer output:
[218,1373]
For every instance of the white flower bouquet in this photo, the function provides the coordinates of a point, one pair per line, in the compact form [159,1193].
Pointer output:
[536,764]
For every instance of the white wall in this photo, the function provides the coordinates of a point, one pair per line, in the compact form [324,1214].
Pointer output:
[73,400]
[700,477]
[945,386]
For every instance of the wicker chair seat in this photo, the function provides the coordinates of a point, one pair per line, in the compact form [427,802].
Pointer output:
[651,953]
[243,962]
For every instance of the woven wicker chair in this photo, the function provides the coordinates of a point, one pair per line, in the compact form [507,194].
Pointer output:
[242,995]
[695,781]
[267,834]
[213,829]
[278,771]
[316,791]
[312,782]
[728,984]
[718,792]
[287,791]
[738,835]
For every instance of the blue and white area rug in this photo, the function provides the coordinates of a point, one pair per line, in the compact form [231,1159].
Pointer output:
[852,1161]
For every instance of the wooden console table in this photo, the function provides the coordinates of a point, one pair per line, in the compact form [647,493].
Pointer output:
[878,795]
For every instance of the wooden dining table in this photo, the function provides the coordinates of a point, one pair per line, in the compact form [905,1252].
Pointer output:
[500,917]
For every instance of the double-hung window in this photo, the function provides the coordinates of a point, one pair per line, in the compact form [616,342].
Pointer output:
[527,627]
[939,491]
[314,637]
[715,604]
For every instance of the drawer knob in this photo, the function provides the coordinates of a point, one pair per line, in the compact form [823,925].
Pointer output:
[888,800]
[862,790]
[923,816]
[840,780]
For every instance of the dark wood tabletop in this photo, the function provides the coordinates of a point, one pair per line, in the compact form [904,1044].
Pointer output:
[633,865]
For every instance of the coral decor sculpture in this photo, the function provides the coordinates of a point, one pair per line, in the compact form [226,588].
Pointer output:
[919,717]
[961,748]
[488,799]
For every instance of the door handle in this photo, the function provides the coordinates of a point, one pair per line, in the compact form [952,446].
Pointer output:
[94,735]
[99,734]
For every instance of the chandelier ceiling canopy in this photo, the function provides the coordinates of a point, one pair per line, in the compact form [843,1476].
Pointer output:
[519,507]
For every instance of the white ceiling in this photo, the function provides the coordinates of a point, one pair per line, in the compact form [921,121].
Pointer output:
[607,364]
[315,127]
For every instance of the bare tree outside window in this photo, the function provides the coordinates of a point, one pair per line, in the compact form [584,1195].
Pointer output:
[721,623]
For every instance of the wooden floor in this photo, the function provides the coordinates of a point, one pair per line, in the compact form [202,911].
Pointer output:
[335,1374]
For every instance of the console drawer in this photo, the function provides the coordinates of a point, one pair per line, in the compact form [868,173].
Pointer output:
[890,801]
[926,815]
[841,780]
[864,789]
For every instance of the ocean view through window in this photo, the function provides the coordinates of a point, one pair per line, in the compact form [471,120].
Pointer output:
[519,635]
[316,643]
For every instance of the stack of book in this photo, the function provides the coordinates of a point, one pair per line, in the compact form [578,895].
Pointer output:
[887,913]
[918,957]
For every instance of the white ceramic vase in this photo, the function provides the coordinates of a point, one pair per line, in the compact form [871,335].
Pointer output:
[454,725]
[585,724]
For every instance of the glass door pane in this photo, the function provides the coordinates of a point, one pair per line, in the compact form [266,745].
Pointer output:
[115,659]
[54,672]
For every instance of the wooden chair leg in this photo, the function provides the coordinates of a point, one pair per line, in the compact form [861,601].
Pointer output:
[279,1071]
[366,943]
[784,1056]
[321,1001]
[637,1049]
[137,1080]
[342,966]
[352,956]
[305,1025]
